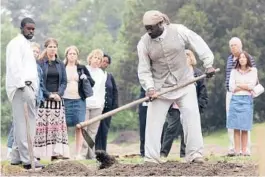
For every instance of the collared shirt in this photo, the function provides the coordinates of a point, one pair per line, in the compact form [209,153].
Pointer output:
[189,39]
[230,64]
[20,66]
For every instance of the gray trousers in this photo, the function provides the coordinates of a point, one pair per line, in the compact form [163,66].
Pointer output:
[92,129]
[23,104]
[156,115]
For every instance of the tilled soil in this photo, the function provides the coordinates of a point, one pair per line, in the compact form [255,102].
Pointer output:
[74,168]
[180,169]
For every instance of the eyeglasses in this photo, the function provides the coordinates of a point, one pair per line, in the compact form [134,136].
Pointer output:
[105,61]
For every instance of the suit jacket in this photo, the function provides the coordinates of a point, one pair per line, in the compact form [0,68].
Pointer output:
[202,95]
[111,96]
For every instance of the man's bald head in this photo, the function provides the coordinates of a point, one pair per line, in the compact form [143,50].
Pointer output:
[235,45]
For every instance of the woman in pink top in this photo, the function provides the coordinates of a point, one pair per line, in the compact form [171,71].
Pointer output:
[240,117]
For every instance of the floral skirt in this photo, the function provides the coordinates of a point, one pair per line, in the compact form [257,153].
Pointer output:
[51,138]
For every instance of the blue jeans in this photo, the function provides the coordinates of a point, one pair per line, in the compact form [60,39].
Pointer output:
[10,139]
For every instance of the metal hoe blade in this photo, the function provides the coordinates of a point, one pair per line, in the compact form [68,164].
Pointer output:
[87,138]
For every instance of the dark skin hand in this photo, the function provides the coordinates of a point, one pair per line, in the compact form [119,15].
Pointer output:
[152,94]
[210,72]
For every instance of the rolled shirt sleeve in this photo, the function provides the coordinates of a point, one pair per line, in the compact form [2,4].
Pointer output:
[14,65]
[144,67]
[232,81]
[197,44]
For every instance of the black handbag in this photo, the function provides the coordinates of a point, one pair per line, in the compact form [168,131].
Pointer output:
[86,86]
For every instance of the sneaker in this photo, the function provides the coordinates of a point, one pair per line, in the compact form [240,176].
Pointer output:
[79,157]
[231,153]
[246,154]
[198,160]
[37,166]
[150,161]
[163,155]
[163,160]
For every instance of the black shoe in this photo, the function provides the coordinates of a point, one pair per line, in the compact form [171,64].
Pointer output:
[182,155]
[53,158]
[16,163]
[37,166]
[163,155]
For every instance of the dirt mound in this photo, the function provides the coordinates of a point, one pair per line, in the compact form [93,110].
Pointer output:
[105,159]
[126,137]
[67,168]
[180,169]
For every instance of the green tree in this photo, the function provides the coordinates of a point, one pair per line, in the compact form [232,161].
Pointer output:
[7,33]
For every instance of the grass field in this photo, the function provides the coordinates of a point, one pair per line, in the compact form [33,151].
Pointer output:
[215,143]
[218,138]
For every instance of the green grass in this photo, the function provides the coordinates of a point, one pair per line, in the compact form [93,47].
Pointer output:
[220,137]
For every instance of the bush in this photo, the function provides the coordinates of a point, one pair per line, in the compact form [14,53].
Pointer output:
[125,120]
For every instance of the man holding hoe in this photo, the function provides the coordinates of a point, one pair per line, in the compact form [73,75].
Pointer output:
[162,65]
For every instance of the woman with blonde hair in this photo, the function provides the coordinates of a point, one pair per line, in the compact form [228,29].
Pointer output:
[51,137]
[95,103]
[75,94]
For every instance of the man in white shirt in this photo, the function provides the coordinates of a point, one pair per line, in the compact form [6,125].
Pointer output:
[22,88]
[162,64]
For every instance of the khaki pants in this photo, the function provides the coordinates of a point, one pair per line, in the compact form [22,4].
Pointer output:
[92,129]
[156,115]
[20,151]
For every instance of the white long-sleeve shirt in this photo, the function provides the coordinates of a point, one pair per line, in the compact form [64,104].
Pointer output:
[98,98]
[249,78]
[20,65]
[187,38]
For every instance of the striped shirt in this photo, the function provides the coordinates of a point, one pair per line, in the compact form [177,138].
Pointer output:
[230,64]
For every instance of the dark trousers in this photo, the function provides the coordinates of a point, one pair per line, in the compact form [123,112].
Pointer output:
[172,128]
[102,134]
[142,122]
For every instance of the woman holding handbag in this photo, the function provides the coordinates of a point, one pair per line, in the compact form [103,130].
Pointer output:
[77,90]
[240,117]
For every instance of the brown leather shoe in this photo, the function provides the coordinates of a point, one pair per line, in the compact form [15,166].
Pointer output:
[198,160]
